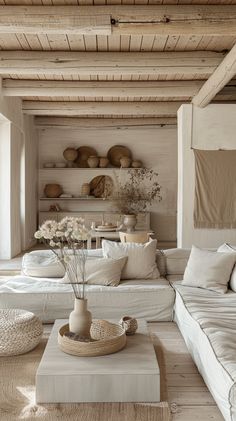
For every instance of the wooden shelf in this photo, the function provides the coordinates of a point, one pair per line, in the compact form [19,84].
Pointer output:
[88,169]
[72,198]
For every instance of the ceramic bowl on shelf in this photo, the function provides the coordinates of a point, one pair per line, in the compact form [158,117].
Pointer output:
[60,165]
[48,165]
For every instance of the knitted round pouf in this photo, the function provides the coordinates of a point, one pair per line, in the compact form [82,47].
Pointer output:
[20,331]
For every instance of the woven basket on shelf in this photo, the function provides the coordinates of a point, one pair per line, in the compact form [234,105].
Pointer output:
[108,338]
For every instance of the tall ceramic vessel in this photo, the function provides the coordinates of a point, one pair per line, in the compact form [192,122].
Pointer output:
[130,222]
[80,319]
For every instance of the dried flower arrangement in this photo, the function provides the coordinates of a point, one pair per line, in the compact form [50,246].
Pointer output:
[137,192]
[67,240]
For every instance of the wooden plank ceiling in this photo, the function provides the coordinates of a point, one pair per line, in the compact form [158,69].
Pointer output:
[145,64]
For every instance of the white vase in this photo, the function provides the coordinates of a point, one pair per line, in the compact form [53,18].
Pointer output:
[130,222]
[80,319]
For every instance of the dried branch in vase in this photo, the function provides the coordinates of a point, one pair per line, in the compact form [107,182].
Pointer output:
[137,192]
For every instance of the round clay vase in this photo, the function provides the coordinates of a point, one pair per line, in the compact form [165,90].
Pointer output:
[93,161]
[80,319]
[103,162]
[85,189]
[70,154]
[137,163]
[130,222]
[125,162]
[53,190]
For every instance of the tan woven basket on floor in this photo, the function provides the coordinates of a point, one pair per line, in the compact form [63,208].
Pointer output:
[108,338]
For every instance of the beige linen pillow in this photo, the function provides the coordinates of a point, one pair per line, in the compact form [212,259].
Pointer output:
[141,263]
[227,248]
[209,269]
[102,271]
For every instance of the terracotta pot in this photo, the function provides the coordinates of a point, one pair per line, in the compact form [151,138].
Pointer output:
[103,162]
[70,154]
[53,190]
[85,189]
[80,319]
[93,161]
[137,164]
[130,222]
[125,162]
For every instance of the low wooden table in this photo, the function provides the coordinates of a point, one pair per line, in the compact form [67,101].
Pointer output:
[131,375]
[108,235]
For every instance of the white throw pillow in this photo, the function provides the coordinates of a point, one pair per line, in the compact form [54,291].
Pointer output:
[209,269]
[42,264]
[141,263]
[227,248]
[102,271]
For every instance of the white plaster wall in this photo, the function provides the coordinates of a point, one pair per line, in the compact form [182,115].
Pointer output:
[5,203]
[29,185]
[11,140]
[156,146]
[18,145]
[210,128]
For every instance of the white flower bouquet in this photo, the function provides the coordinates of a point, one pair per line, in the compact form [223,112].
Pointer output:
[67,239]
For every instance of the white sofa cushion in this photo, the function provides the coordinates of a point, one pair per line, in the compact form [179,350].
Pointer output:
[44,263]
[102,271]
[227,248]
[147,299]
[176,260]
[161,262]
[208,324]
[209,269]
[141,263]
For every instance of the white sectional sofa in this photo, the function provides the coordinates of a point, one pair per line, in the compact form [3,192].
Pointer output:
[151,299]
[207,322]
[206,319]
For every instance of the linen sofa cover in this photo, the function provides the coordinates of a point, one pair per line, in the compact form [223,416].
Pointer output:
[207,321]
[151,299]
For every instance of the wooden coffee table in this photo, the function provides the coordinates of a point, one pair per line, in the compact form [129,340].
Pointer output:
[131,375]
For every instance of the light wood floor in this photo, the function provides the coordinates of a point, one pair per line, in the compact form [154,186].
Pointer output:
[183,387]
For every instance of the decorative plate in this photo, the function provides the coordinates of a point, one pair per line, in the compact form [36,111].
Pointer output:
[116,152]
[83,153]
[101,186]
[106,229]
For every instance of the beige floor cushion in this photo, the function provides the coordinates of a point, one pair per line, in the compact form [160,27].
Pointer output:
[20,331]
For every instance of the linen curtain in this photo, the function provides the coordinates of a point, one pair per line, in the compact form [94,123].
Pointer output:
[215,189]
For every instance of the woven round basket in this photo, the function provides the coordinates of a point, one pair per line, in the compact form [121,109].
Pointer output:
[20,331]
[107,339]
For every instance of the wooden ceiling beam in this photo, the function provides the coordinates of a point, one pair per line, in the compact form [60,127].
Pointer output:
[28,63]
[119,109]
[178,20]
[221,76]
[94,123]
[228,93]
[175,90]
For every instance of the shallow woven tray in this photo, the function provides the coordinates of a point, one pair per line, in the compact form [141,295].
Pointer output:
[108,338]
